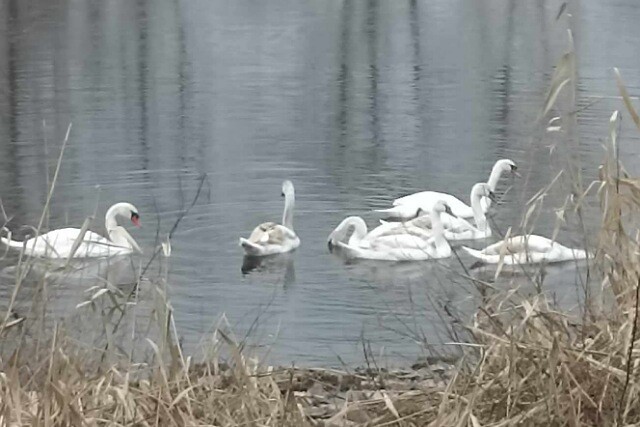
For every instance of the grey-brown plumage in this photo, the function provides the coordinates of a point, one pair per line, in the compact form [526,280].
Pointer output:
[267,233]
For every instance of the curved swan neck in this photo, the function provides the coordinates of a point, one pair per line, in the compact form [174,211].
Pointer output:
[110,218]
[341,231]
[478,213]
[495,175]
[438,229]
[121,237]
[359,229]
[287,215]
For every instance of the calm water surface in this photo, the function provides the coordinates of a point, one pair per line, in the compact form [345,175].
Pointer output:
[357,102]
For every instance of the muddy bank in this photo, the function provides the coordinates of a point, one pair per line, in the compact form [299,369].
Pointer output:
[334,397]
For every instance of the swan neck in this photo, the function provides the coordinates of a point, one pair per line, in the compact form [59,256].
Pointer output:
[359,230]
[494,177]
[341,231]
[478,212]
[110,221]
[438,230]
[287,215]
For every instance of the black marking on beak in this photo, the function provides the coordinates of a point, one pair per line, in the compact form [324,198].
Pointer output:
[448,210]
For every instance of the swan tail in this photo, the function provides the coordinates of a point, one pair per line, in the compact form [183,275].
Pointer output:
[249,247]
[581,254]
[400,212]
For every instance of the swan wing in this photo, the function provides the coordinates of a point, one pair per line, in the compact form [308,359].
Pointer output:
[495,258]
[395,241]
[386,228]
[393,229]
[402,212]
[60,243]
[520,244]
[382,253]
[456,225]
[426,200]
[406,247]
[270,233]
[266,233]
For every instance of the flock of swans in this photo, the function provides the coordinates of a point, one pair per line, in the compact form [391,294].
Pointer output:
[423,224]
[428,220]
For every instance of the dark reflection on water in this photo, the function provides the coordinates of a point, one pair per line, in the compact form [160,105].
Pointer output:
[357,102]
[281,266]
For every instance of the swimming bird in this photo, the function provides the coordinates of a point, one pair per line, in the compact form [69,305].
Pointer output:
[270,238]
[405,207]
[60,243]
[529,249]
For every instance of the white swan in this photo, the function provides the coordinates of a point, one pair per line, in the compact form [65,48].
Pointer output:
[531,249]
[270,238]
[59,243]
[405,207]
[388,245]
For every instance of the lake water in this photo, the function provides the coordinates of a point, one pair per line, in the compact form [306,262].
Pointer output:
[357,102]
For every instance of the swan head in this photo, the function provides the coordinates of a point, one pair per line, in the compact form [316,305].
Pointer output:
[124,210]
[441,206]
[507,165]
[335,237]
[330,245]
[287,189]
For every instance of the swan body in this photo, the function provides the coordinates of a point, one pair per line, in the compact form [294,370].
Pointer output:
[392,242]
[57,244]
[405,207]
[531,249]
[270,238]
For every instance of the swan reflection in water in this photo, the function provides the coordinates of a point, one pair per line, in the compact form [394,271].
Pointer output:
[68,283]
[564,282]
[101,301]
[278,268]
[81,273]
[436,277]
[416,299]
